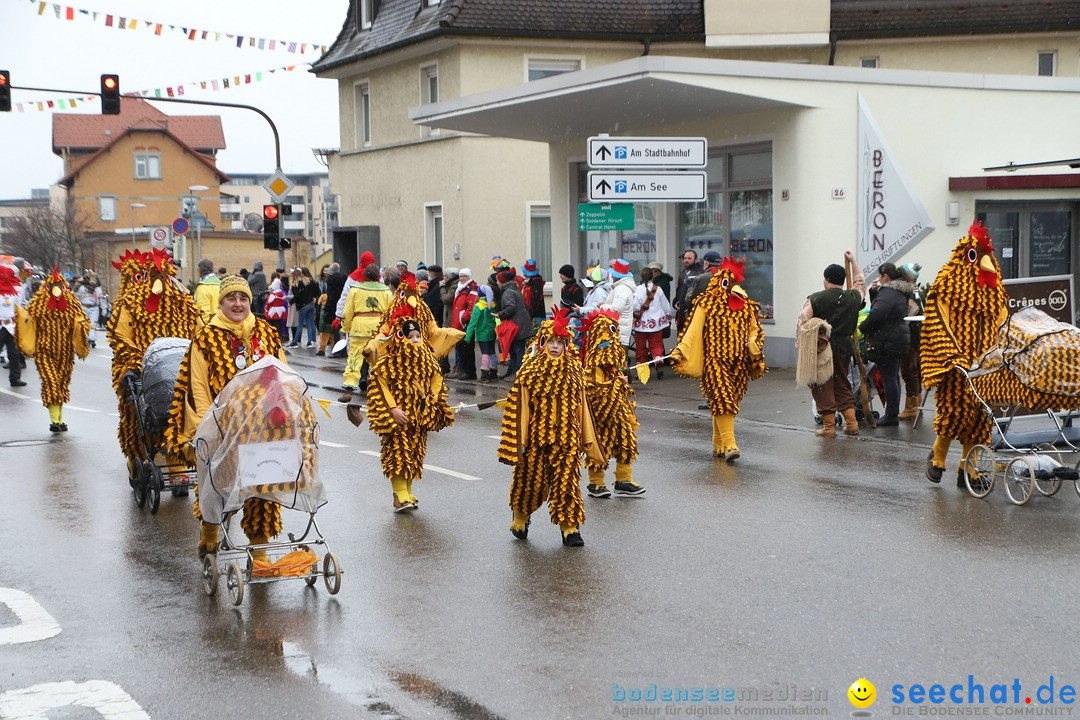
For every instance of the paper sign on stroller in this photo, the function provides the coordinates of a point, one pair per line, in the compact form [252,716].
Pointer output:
[268,462]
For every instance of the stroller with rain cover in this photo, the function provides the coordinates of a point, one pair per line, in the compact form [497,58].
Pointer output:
[151,393]
[1034,366]
[260,439]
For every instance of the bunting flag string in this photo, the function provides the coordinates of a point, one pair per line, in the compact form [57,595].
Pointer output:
[63,12]
[224,83]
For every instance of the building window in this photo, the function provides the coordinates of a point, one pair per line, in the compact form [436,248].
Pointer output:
[363,115]
[1048,63]
[540,68]
[147,166]
[433,232]
[429,93]
[540,239]
[107,208]
[432,3]
[736,218]
[367,13]
[869,62]
[1031,239]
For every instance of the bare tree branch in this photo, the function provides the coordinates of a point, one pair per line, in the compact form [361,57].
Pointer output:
[49,235]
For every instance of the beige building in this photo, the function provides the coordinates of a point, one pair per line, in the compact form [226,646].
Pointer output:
[503,97]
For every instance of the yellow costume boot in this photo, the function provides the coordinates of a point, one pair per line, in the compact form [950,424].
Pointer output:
[520,527]
[208,539]
[851,423]
[412,498]
[596,487]
[56,418]
[570,536]
[402,496]
[624,481]
[978,483]
[828,425]
[726,426]
[717,437]
[935,461]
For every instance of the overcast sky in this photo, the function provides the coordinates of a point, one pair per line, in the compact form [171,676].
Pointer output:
[41,51]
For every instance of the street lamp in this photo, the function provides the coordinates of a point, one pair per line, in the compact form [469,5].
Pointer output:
[133,207]
[198,224]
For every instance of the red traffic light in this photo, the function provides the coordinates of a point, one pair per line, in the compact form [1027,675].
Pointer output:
[108,82]
[3,77]
[270,211]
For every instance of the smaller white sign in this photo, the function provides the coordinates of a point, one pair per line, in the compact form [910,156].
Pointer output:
[658,152]
[159,238]
[268,462]
[839,193]
[647,186]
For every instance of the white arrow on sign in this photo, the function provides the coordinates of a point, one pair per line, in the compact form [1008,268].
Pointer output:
[654,152]
[647,186]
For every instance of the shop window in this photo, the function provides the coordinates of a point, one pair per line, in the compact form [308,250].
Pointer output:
[1031,239]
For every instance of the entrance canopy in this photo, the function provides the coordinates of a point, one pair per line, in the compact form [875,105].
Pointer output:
[642,92]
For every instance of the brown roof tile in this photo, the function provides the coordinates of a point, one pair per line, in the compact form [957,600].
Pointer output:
[856,19]
[201,132]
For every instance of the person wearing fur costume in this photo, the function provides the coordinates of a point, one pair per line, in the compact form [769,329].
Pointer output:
[234,340]
[723,344]
[608,393]
[545,427]
[964,308]
[406,400]
[150,304]
[53,330]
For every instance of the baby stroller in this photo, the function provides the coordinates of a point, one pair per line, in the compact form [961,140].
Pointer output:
[260,439]
[151,393]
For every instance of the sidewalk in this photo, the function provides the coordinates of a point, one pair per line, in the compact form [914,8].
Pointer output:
[773,399]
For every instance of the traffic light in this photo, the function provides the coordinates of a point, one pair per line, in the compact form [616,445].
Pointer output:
[110,94]
[5,91]
[284,243]
[271,227]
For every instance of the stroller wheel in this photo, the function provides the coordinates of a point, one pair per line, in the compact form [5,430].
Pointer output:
[210,574]
[331,573]
[140,483]
[154,483]
[135,475]
[234,581]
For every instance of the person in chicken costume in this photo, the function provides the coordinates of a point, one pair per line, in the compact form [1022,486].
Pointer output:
[441,340]
[608,393]
[546,426]
[150,304]
[53,330]
[234,340]
[964,308]
[406,400]
[723,344]
[11,293]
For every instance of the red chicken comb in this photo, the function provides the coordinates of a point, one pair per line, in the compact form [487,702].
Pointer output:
[734,266]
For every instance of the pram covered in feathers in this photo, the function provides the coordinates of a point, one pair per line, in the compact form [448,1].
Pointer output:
[151,394]
[260,439]
[1028,383]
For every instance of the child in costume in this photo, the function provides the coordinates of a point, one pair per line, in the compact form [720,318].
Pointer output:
[53,330]
[441,340]
[150,304]
[722,344]
[608,393]
[234,340]
[545,427]
[406,399]
[964,308]
[482,329]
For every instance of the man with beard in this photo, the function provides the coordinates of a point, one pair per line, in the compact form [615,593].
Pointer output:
[545,428]
[406,400]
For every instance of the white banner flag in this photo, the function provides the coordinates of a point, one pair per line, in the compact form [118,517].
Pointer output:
[891,217]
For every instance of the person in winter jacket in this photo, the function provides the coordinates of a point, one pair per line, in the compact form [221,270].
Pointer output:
[599,292]
[661,278]
[652,314]
[257,282]
[513,309]
[335,285]
[206,292]
[465,296]
[433,297]
[364,308]
[355,278]
[886,328]
[621,298]
[277,307]
[482,329]
[690,270]
[533,292]
[572,294]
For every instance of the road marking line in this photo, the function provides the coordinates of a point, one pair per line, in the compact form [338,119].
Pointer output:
[12,393]
[108,699]
[494,437]
[327,443]
[35,622]
[432,468]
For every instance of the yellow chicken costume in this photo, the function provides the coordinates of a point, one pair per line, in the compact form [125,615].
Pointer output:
[546,426]
[53,330]
[964,308]
[608,393]
[406,378]
[149,305]
[723,344]
[219,351]
[440,340]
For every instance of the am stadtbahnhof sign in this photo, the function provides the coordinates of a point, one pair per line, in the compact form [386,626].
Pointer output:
[669,153]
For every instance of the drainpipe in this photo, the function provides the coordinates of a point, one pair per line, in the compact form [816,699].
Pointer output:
[832,46]
[647,43]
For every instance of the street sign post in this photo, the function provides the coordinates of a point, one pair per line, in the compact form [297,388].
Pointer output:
[605,216]
[655,152]
[647,186]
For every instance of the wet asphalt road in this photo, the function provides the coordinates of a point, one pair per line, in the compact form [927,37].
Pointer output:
[807,564]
